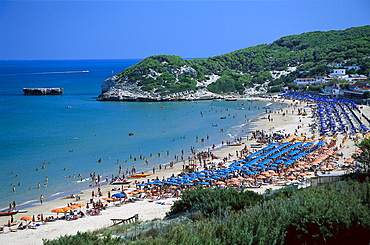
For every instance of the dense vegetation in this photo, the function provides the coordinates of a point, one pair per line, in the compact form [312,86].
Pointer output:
[208,202]
[364,157]
[312,52]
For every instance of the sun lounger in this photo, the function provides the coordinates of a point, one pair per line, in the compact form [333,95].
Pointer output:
[13,229]
[72,218]
[33,226]
[254,186]
[94,213]
[22,227]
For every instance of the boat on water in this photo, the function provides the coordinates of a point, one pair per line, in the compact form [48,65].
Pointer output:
[43,91]
[10,212]
[230,99]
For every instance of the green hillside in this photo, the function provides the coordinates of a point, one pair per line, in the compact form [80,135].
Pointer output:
[312,52]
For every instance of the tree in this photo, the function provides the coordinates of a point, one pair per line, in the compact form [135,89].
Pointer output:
[364,156]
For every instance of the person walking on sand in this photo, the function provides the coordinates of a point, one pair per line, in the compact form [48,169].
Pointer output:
[41,199]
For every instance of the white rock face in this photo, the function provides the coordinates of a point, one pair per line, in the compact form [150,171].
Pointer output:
[112,90]
[108,83]
[211,79]
[116,89]
[182,70]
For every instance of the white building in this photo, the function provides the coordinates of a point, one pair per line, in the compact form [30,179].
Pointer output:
[337,72]
[309,81]
[334,89]
[305,81]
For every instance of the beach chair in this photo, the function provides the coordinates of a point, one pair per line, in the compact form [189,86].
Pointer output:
[72,218]
[33,226]
[13,229]
[22,227]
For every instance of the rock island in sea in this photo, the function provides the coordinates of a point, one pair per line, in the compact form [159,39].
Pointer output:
[43,91]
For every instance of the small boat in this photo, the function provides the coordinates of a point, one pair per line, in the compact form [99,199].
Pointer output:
[131,134]
[235,144]
[240,108]
[138,176]
[230,99]
[120,182]
[256,145]
[222,117]
[10,212]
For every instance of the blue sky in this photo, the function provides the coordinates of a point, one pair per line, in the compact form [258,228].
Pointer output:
[137,29]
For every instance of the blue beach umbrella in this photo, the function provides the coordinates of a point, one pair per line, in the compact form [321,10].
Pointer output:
[118,195]
[204,183]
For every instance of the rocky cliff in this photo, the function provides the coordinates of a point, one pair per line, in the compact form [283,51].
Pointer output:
[114,90]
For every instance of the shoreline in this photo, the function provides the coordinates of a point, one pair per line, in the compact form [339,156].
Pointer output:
[146,169]
[151,210]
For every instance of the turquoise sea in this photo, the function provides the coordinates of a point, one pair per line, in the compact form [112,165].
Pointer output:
[61,136]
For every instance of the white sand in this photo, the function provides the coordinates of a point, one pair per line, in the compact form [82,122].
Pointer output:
[149,210]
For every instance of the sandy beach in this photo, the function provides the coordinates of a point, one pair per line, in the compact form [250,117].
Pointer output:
[291,123]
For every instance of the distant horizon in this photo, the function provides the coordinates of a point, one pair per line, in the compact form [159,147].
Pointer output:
[111,30]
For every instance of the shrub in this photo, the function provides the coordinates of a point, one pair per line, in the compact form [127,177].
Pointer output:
[214,201]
